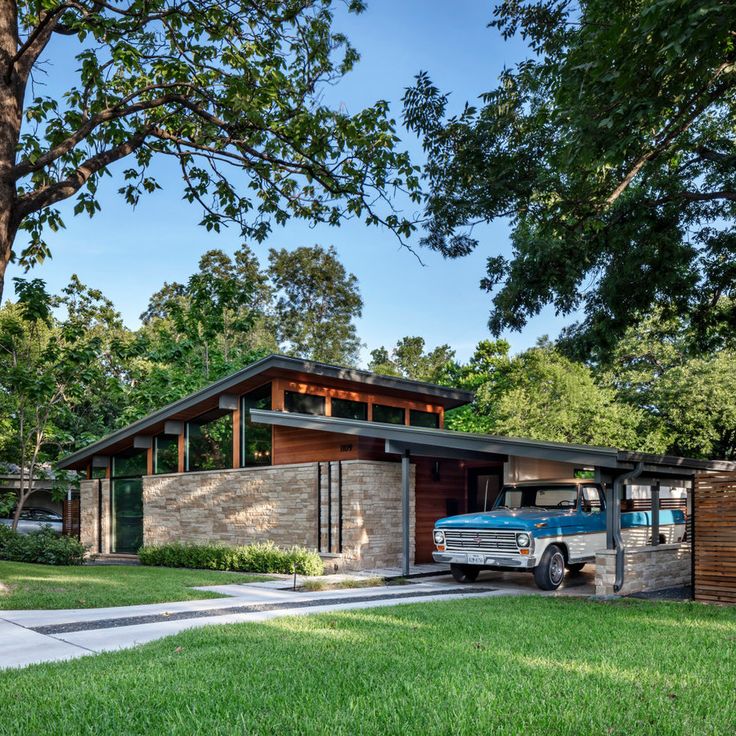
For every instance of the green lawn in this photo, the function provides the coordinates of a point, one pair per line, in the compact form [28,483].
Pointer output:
[527,665]
[23,585]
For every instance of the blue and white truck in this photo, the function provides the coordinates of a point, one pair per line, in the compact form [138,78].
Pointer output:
[544,527]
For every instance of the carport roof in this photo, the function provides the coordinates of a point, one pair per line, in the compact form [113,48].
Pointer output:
[448,443]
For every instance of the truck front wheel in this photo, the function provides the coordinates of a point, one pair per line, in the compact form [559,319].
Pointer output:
[464,573]
[550,572]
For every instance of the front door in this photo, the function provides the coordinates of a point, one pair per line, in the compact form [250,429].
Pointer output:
[127,515]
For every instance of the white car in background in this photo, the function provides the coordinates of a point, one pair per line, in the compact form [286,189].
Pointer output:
[33,518]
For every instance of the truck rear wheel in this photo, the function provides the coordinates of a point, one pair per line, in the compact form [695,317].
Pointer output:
[464,573]
[550,572]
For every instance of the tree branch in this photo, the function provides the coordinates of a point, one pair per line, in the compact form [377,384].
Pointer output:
[34,201]
[675,129]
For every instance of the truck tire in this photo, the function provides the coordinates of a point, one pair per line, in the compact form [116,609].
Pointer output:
[575,567]
[464,573]
[550,572]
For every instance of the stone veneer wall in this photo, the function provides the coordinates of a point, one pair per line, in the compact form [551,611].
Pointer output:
[645,569]
[279,504]
[372,535]
[88,515]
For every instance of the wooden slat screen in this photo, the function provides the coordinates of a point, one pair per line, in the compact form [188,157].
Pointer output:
[70,517]
[715,538]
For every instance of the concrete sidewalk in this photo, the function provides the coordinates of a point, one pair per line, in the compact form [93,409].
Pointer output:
[28,637]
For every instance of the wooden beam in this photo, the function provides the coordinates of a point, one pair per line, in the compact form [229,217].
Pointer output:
[173,427]
[142,442]
[236,436]
[181,453]
[228,401]
[149,461]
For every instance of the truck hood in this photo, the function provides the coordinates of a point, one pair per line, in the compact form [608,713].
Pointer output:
[509,519]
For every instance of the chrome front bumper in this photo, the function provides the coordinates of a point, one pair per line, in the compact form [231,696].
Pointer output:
[510,561]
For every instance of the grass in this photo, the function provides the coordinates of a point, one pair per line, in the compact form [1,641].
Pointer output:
[486,666]
[23,585]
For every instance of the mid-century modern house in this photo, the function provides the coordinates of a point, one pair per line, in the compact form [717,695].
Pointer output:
[356,465]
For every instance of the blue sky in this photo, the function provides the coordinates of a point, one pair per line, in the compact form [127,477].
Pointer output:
[130,253]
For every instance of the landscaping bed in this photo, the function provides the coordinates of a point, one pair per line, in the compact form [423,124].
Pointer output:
[24,585]
[482,666]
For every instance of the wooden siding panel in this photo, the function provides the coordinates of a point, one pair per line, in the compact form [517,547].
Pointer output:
[714,538]
[432,496]
[291,445]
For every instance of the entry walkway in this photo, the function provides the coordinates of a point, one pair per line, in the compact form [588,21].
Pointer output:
[28,637]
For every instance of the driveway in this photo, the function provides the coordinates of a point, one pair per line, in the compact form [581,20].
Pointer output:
[28,637]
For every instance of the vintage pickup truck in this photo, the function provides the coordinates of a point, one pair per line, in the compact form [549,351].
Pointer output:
[544,527]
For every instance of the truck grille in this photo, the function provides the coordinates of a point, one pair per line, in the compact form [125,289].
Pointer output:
[481,540]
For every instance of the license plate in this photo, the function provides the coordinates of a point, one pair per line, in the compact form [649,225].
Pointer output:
[476,559]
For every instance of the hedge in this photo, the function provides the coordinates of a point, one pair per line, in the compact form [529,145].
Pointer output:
[43,546]
[267,558]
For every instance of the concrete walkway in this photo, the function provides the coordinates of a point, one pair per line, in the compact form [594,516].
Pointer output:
[28,637]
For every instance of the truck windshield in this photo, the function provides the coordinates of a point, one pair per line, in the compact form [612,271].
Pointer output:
[538,497]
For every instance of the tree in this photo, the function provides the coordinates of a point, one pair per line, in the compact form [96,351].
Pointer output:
[217,317]
[231,90]
[688,394]
[610,149]
[542,395]
[409,360]
[47,365]
[317,301]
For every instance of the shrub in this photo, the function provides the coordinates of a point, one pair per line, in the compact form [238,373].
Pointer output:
[43,546]
[266,558]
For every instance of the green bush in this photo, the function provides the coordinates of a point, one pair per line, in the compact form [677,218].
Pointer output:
[43,546]
[267,558]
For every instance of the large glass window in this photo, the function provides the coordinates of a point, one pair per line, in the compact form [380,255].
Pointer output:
[127,502]
[304,403]
[419,418]
[129,466]
[166,454]
[210,442]
[255,448]
[347,409]
[388,414]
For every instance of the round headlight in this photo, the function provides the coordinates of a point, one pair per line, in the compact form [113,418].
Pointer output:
[439,537]
[523,539]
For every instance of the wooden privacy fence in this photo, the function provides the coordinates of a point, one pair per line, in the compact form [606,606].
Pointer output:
[70,517]
[714,538]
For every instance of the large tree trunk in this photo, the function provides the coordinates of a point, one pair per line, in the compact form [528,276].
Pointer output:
[12,90]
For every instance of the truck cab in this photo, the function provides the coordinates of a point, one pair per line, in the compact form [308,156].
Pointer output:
[541,526]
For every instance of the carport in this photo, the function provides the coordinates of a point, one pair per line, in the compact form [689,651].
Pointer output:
[621,570]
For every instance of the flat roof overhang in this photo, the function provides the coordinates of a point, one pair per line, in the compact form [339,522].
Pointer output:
[448,443]
[254,375]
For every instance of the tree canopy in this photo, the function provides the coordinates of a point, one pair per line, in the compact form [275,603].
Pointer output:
[317,301]
[232,91]
[611,151]
[409,359]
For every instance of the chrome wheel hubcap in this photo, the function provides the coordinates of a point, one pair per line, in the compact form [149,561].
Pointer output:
[557,568]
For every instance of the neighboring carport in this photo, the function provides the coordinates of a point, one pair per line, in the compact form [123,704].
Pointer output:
[615,468]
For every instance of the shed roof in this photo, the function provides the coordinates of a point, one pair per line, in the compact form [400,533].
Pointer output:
[255,374]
